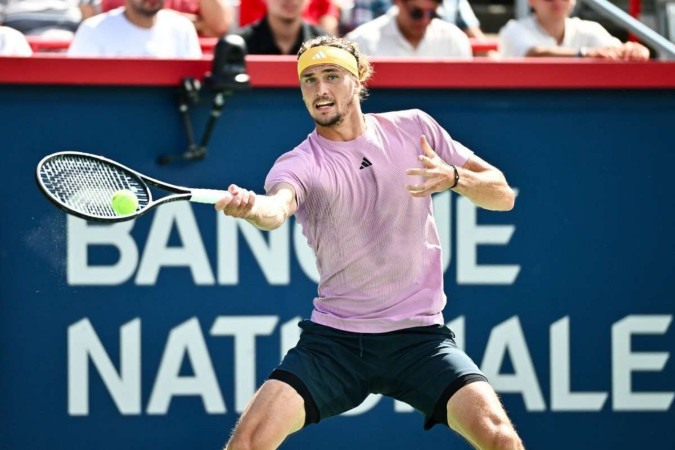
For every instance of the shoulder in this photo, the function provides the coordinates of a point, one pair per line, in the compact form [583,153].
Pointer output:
[106,19]
[402,118]
[11,33]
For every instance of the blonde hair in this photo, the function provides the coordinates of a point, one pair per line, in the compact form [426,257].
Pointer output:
[364,66]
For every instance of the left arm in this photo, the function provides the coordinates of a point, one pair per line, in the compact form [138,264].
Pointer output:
[479,181]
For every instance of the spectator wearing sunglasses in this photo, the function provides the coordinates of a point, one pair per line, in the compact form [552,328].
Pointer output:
[358,12]
[549,31]
[410,30]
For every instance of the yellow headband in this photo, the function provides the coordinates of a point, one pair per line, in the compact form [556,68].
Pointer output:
[326,54]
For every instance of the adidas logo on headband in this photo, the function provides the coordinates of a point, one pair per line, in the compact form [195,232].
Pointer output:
[320,55]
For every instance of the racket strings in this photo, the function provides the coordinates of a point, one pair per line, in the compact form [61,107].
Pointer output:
[87,185]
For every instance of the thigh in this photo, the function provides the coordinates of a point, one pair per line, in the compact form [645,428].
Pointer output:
[476,413]
[327,369]
[275,411]
[427,369]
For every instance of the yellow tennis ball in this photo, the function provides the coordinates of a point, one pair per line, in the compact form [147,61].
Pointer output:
[124,202]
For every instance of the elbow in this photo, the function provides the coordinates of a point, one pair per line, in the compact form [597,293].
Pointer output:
[509,200]
[504,202]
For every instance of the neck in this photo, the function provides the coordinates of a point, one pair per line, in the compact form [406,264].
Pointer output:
[554,27]
[352,126]
[140,20]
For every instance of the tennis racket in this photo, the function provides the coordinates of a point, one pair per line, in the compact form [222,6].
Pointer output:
[83,185]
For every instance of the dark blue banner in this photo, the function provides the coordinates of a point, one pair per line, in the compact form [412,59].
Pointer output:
[155,333]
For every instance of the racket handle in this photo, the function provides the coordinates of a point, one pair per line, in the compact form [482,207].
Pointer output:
[210,196]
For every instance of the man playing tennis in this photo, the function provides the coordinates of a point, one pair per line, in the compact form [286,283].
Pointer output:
[361,187]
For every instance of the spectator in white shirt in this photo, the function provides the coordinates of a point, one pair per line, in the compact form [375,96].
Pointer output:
[412,29]
[13,43]
[549,31]
[139,29]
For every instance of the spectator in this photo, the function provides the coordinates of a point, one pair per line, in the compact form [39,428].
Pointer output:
[211,18]
[549,31]
[355,13]
[13,43]
[323,13]
[459,12]
[281,31]
[139,29]
[412,29]
[56,19]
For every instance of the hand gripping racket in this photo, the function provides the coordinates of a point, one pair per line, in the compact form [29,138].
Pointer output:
[83,185]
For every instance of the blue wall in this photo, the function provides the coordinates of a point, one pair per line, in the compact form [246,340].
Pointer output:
[575,288]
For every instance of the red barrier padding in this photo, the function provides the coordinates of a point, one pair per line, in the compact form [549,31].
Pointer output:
[280,72]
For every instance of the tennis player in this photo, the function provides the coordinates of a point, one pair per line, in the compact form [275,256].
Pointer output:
[361,186]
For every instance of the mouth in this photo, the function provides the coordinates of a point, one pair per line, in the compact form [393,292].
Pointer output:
[323,105]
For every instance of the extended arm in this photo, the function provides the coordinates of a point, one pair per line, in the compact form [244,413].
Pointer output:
[266,212]
[480,182]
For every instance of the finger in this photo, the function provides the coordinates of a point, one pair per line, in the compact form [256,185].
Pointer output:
[414,187]
[223,202]
[418,172]
[426,147]
[244,197]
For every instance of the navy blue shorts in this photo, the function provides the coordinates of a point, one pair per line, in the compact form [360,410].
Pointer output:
[334,370]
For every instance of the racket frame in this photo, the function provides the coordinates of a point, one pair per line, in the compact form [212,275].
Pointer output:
[178,192]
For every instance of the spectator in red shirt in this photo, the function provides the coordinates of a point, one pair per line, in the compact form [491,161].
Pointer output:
[318,12]
[211,18]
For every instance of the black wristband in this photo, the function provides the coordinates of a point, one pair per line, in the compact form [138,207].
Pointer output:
[456,176]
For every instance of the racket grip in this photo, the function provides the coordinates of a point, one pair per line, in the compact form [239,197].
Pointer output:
[210,196]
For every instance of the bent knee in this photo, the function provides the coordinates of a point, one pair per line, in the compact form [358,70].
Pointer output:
[501,436]
[249,441]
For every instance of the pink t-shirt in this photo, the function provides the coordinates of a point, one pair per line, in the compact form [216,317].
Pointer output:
[377,248]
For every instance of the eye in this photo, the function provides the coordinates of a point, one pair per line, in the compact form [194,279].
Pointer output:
[332,77]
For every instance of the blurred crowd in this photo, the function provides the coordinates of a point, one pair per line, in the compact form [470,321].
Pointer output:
[391,28]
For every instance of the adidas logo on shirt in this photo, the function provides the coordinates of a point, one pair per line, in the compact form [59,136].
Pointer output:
[365,163]
[320,55]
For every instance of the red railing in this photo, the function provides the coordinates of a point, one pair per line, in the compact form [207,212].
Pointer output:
[42,45]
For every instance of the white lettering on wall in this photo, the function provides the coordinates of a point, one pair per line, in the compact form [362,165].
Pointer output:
[124,387]
[270,250]
[186,340]
[508,337]
[625,362]
[245,329]
[190,254]
[81,236]
[562,397]
[471,235]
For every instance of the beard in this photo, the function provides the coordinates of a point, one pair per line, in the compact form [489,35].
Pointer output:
[330,122]
[336,119]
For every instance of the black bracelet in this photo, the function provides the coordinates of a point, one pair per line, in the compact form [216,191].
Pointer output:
[456,177]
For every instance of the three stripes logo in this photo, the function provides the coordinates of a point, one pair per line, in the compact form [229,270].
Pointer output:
[365,163]
[320,55]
